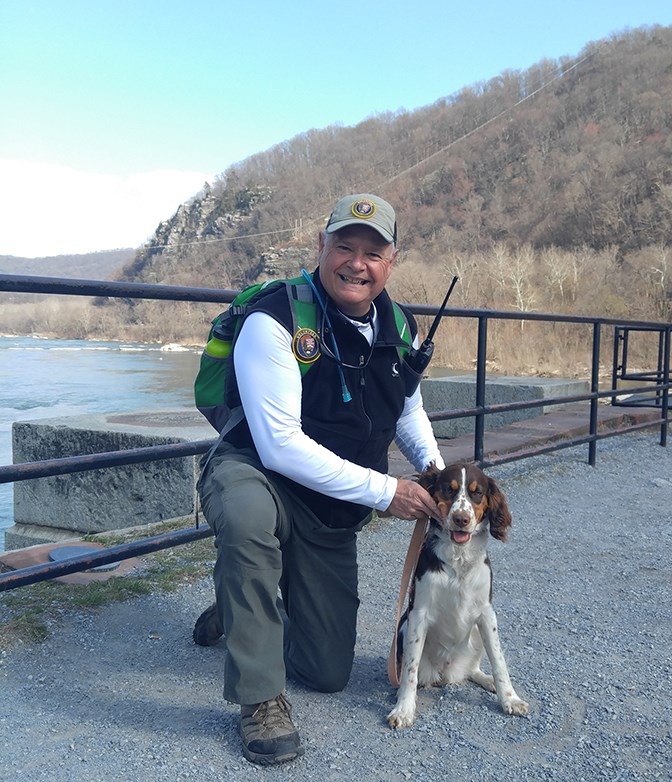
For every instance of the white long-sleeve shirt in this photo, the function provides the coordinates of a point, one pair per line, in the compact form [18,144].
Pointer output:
[269,383]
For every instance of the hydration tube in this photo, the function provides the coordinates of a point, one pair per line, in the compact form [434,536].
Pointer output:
[345,392]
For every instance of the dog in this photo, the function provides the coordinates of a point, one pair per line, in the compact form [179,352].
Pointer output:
[450,619]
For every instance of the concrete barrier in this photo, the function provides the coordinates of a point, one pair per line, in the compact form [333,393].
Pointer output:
[456,392]
[65,507]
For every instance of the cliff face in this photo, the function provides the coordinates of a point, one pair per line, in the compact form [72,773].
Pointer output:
[218,232]
[197,228]
[286,261]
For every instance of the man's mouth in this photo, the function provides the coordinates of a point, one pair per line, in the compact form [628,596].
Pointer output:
[352,280]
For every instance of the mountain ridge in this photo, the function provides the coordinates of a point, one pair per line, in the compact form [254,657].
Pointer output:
[102,264]
[570,153]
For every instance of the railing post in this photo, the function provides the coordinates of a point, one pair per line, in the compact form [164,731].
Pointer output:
[665,400]
[479,423]
[594,388]
[660,371]
[615,366]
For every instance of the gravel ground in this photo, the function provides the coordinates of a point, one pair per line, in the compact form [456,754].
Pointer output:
[582,592]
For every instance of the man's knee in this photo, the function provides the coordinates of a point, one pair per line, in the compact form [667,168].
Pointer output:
[329,682]
[237,502]
[329,676]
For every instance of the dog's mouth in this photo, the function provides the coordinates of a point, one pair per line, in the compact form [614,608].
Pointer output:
[460,537]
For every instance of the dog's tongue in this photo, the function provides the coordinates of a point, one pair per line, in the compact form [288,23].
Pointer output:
[460,537]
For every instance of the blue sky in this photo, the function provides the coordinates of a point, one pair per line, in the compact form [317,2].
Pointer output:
[113,113]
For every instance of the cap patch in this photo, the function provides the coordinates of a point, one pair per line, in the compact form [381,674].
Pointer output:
[364,208]
[306,346]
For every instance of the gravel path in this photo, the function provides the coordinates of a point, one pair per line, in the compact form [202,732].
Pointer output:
[583,597]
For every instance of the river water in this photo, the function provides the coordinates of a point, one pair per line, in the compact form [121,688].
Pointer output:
[48,378]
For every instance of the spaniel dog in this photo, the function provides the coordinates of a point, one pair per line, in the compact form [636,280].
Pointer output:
[450,618]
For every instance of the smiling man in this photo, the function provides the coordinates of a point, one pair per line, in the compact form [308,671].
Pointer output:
[356,258]
[290,486]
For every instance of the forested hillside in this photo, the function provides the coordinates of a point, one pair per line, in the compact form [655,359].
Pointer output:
[546,189]
[569,154]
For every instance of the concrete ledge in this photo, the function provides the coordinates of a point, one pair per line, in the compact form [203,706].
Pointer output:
[53,509]
[23,535]
[457,392]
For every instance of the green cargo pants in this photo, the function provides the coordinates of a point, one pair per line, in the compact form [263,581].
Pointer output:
[267,540]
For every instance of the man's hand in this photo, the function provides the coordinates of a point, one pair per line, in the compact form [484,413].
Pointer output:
[411,501]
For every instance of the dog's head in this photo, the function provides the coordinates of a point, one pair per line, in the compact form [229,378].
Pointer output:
[467,498]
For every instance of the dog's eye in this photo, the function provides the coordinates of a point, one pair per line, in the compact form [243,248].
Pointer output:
[477,492]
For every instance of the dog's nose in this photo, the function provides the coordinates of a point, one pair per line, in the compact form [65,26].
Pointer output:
[461,519]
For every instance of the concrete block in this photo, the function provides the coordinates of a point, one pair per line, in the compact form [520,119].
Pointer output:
[112,498]
[457,392]
[25,535]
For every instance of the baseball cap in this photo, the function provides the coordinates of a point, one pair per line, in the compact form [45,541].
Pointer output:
[364,209]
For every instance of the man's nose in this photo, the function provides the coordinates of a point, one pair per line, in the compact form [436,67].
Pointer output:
[358,258]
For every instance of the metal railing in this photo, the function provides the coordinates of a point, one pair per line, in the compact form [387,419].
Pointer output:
[650,396]
[658,383]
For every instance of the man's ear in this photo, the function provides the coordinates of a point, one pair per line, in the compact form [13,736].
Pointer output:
[322,239]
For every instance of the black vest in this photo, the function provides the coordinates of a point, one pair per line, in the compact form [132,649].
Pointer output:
[360,430]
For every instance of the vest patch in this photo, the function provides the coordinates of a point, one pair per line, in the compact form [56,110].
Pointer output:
[306,346]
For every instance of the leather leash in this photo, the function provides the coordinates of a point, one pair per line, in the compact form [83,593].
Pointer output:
[417,539]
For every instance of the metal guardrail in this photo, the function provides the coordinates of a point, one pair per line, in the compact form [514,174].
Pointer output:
[77,287]
[648,396]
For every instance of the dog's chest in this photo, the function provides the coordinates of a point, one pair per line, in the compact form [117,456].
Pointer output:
[453,598]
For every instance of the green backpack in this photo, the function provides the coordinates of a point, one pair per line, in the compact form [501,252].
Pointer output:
[210,383]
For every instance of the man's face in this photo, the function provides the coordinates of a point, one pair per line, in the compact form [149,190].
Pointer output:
[355,264]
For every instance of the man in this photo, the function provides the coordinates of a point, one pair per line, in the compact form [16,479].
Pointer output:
[290,486]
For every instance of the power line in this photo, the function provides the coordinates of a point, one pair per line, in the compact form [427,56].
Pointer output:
[405,171]
[221,239]
[487,122]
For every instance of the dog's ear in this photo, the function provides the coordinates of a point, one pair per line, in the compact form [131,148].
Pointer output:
[498,510]
[428,477]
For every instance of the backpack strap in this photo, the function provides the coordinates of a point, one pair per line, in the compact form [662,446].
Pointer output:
[232,422]
[303,307]
[404,329]
[302,304]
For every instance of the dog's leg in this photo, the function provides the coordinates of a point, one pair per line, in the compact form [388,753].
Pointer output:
[475,674]
[483,680]
[403,714]
[506,695]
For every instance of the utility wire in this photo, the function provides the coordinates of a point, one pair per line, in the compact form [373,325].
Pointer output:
[487,122]
[405,171]
[220,239]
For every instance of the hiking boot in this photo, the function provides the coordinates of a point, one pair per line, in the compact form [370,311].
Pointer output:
[208,628]
[268,733]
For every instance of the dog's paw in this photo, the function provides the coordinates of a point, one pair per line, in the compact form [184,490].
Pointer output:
[516,706]
[484,680]
[400,718]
